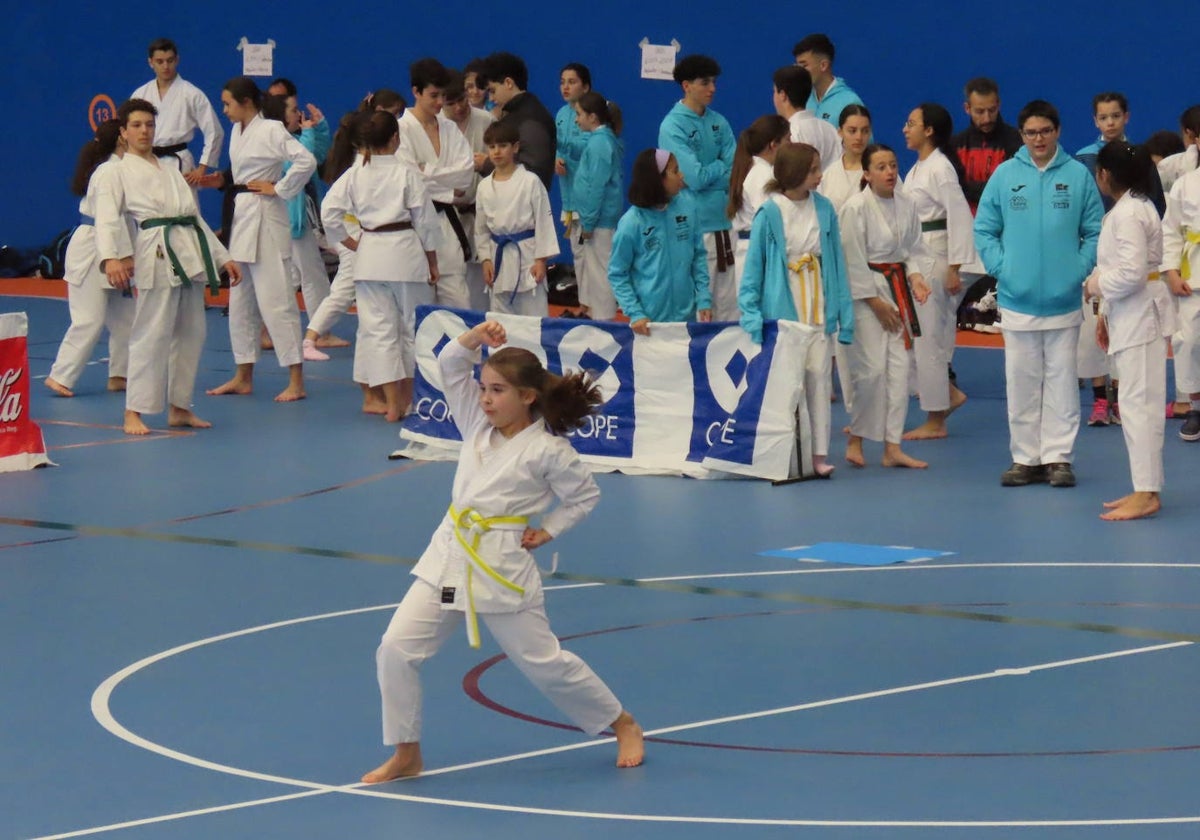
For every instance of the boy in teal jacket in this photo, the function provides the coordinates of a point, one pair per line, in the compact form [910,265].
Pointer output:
[1036,231]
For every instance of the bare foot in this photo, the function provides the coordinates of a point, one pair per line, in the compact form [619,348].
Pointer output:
[631,745]
[1137,506]
[59,388]
[1178,409]
[331,340]
[116,383]
[291,393]
[394,415]
[372,406]
[894,456]
[931,429]
[186,417]
[134,424]
[405,761]
[854,453]
[822,467]
[234,386]
[957,398]
[1118,502]
[310,353]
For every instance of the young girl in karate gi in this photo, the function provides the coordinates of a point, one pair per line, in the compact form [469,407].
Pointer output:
[599,198]
[260,239]
[513,464]
[948,237]
[93,303]
[881,235]
[795,271]
[1137,316]
[395,257]
[752,169]
[659,265]
[174,255]
[514,228]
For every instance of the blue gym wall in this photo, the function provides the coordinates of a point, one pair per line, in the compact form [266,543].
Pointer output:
[59,55]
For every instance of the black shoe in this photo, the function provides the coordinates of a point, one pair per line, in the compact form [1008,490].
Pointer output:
[1060,475]
[1018,475]
[1191,426]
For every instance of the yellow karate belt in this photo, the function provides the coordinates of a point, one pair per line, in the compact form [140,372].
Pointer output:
[469,528]
[1193,238]
[812,311]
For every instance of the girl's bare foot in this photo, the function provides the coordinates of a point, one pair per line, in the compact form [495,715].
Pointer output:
[1134,506]
[59,388]
[854,453]
[934,428]
[236,385]
[405,761]
[1118,502]
[116,383]
[894,456]
[331,340]
[821,466]
[957,398]
[186,417]
[291,393]
[631,744]
[134,424]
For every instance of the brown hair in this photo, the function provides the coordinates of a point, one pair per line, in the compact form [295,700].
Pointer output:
[753,140]
[562,401]
[95,152]
[377,131]
[793,163]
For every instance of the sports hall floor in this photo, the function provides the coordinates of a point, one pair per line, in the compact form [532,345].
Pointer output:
[188,624]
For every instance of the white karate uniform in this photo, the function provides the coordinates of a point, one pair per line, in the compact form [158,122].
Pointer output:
[308,272]
[93,303]
[508,207]
[876,230]
[1183,218]
[477,290]
[519,476]
[391,270]
[261,240]
[839,184]
[933,187]
[1140,315]
[1173,167]
[341,288]
[450,168]
[802,230]
[810,129]
[754,193]
[168,325]
[182,111]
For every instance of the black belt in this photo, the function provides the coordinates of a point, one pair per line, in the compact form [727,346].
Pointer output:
[390,227]
[229,194]
[456,225]
[164,151]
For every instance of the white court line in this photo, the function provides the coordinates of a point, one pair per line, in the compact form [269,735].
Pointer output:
[100,709]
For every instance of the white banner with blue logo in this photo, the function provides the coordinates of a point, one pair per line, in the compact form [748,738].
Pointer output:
[689,399]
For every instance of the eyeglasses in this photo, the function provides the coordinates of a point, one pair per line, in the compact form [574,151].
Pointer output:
[1039,133]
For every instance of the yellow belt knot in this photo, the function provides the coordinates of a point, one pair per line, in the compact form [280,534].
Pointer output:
[811,311]
[1193,238]
[469,523]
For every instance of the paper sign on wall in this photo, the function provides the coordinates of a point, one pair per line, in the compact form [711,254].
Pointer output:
[658,60]
[257,59]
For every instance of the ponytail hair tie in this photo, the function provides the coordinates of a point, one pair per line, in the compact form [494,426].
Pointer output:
[661,158]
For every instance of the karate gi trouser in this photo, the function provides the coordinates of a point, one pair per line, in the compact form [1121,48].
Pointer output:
[534,302]
[722,285]
[933,350]
[452,269]
[265,295]
[420,626]
[1185,345]
[94,306]
[165,344]
[879,376]
[387,312]
[308,269]
[591,274]
[477,290]
[1090,360]
[1043,394]
[818,372]
[1142,371]
[341,295]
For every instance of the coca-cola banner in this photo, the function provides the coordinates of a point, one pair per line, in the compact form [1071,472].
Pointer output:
[21,444]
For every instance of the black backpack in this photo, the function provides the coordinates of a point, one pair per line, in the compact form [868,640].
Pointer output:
[52,261]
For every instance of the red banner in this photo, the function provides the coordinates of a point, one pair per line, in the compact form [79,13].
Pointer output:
[21,444]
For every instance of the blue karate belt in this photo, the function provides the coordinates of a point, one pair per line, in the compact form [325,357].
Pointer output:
[502,240]
[169,222]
